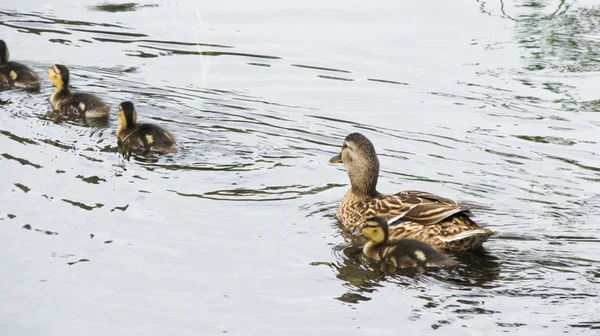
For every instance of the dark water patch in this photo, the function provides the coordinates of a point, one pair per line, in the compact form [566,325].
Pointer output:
[83,205]
[91,179]
[260,64]
[120,208]
[510,155]
[109,32]
[573,162]
[319,68]
[41,24]
[386,81]
[324,209]
[488,87]
[22,161]
[172,51]
[270,193]
[71,263]
[336,78]
[120,7]
[592,325]
[61,255]
[547,140]
[46,232]
[38,28]
[18,139]
[475,310]
[510,324]
[141,54]
[24,188]
[62,41]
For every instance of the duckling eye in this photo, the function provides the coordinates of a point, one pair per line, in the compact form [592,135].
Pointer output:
[344,146]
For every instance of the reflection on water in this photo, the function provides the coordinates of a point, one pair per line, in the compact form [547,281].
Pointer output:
[122,7]
[362,278]
[240,221]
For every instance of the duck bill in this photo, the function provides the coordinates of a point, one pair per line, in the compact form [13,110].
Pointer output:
[336,159]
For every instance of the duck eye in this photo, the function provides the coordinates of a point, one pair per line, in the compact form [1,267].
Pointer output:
[344,146]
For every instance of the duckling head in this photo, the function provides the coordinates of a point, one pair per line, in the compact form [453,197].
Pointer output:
[359,157]
[3,52]
[376,230]
[127,115]
[59,76]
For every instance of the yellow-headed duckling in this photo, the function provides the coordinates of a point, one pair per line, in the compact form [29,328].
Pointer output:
[141,138]
[16,75]
[438,221]
[64,101]
[403,253]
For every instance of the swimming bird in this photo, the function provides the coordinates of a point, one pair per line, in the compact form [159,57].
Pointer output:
[63,100]
[438,221]
[16,75]
[403,253]
[141,138]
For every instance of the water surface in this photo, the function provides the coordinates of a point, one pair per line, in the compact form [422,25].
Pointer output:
[489,102]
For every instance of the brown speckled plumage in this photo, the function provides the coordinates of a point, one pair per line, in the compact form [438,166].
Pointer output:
[438,221]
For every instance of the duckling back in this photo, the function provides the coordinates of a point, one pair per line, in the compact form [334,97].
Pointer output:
[91,105]
[408,253]
[145,138]
[17,75]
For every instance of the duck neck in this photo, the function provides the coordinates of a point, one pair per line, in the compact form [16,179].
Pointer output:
[365,182]
[372,249]
[367,190]
[122,131]
[61,90]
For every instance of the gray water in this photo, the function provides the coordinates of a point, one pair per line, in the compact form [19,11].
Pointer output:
[488,102]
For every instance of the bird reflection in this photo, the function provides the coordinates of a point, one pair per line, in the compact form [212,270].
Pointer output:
[362,278]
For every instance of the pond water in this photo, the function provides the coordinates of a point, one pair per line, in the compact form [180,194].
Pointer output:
[489,102]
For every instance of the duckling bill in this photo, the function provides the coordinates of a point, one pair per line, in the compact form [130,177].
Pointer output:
[141,138]
[16,75]
[70,103]
[404,253]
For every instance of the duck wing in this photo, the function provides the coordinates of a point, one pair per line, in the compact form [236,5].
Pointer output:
[424,208]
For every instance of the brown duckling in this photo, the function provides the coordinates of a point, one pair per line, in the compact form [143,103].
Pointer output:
[438,221]
[64,101]
[16,75]
[141,138]
[403,253]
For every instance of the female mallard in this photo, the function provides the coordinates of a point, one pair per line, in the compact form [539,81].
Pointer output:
[16,75]
[64,101]
[141,138]
[438,221]
[403,253]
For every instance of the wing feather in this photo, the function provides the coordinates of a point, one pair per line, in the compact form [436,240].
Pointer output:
[422,208]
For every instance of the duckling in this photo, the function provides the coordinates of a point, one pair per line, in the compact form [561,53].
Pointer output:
[63,100]
[438,221]
[141,138]
[403,253]
[16,75]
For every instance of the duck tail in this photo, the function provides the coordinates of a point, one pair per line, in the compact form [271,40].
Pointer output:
[472,238]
